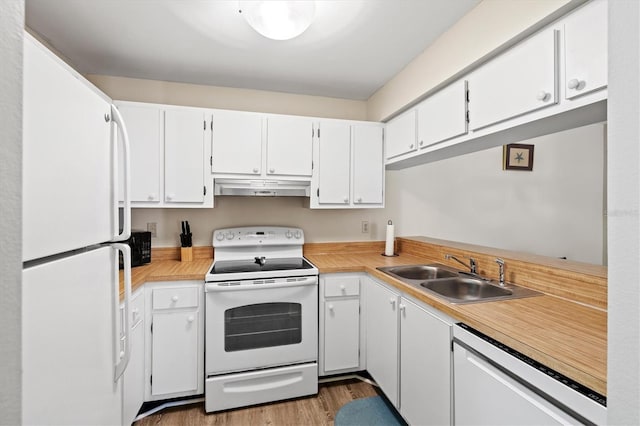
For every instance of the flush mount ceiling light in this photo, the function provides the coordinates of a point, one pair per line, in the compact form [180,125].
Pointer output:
[278,20]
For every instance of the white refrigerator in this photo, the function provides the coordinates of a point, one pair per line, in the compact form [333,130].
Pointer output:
[74,339]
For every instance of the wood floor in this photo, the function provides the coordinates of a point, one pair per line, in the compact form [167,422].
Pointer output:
[315,410]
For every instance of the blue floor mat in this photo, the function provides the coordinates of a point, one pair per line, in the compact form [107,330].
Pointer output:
[374,410]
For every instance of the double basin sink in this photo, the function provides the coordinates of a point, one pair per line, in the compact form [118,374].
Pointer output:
[455,286]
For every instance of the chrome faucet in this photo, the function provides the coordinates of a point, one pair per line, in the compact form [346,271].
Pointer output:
[471,265]
[500,263]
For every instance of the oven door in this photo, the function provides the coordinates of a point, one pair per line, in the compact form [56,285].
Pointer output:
[260,323]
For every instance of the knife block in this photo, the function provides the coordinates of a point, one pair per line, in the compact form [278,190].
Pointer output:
[186,254]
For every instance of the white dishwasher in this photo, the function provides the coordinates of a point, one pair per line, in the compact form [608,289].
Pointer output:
[496,385]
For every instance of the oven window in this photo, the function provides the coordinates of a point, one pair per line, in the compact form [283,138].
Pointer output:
[262,325]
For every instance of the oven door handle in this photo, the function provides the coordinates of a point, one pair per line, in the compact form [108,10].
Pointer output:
[216,287]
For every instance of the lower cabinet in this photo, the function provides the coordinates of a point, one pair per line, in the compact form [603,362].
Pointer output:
[339,331]
[133,383]
[425,366]
[175,340]
[409,355]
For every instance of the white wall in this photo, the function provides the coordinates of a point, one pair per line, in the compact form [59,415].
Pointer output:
[555,210]
[318,225]
[11,25]
[623,361]
[490,26]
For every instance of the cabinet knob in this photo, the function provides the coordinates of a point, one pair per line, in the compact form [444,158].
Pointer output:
[543,96]
[151,197]
[392,301]
[574,83]
[255,170]
[174,298]
[170,197]
[121,354]
[421,143]
[191,318]
[401,307]
[272,170]
[331,308]
[411,146]
[359,200]
[345,199]
[342,287]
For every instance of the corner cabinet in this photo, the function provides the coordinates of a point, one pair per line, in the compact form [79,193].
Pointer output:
[340,327]
[409,354]
[174,340]
[170,155]
[348,165]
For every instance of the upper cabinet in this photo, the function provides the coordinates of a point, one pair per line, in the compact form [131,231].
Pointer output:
[368,166]
[553,80]
[184,133]
[401,134]
[349,171]
[289,145]
[585,47]
[170,155]
[444,115]
[144,123]
[236,142]
[519,81]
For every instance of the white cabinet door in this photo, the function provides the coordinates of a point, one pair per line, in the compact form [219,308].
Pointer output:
[382,338]
[585,43]
[334,147]
[341,334]
[443,115]
[400,134]
[70,341]
[486,396]
[67,195]
[175,346]
[425,366]
[184,155]
[144,125]
[289,146]
[236,143]
[368,165]
[519,81]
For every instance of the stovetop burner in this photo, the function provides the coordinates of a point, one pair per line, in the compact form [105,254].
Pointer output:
[259,264]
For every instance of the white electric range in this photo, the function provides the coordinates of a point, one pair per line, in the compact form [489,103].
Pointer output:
[261,318]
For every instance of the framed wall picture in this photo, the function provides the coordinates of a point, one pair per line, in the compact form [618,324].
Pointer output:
[517,157]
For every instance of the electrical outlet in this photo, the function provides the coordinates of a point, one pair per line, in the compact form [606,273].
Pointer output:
[365,227]
[153,228]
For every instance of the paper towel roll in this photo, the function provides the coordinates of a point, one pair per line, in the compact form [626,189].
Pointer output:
[388,246]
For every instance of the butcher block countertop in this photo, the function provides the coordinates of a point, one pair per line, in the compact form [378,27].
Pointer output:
[566,335]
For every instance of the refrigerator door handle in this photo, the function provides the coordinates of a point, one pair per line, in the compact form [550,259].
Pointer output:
[122,130]
[123,357]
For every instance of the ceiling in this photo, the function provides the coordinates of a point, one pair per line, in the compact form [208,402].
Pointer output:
[351,49]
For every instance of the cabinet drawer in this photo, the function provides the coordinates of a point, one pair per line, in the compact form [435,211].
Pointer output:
[341,286]
[171,298]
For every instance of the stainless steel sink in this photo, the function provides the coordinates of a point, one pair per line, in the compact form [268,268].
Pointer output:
[420,272]
[455,286]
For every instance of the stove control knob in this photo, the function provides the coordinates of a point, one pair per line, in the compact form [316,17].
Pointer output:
[229,235]
[298,234]
[288,234]
[219,236]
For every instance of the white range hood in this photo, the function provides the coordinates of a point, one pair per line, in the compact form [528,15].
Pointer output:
[262,188]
